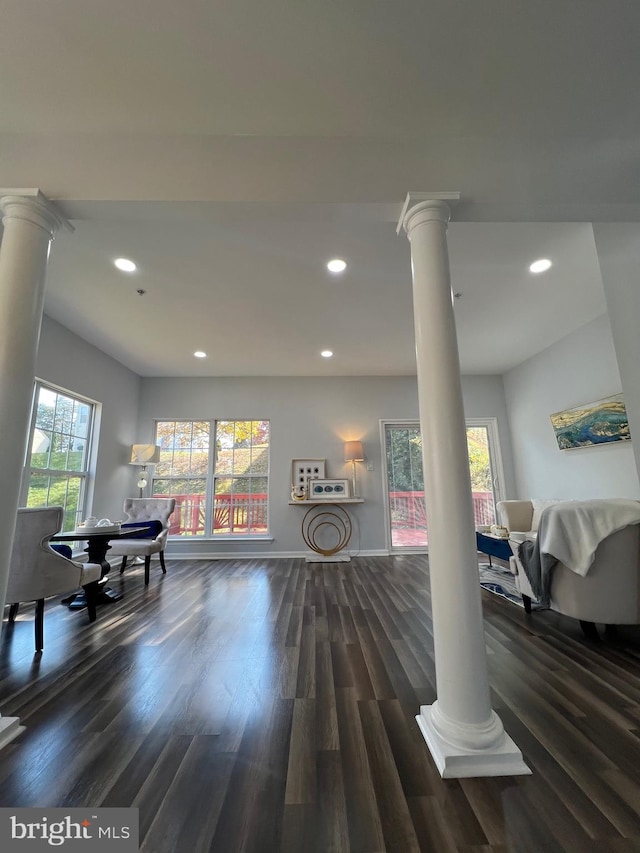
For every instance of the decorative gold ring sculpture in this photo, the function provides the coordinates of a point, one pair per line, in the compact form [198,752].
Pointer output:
[317,519]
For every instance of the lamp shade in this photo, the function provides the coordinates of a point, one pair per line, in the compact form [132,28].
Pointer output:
[353,451]
[144,454]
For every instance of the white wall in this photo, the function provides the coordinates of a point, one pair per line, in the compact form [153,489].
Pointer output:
[618,246]
[578,369]
[484,398]
[71,363]
[310,417]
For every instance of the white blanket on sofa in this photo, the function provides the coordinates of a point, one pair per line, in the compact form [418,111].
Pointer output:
[569,533]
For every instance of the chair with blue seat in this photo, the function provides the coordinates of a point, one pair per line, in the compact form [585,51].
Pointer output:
[37,571]
[154,514]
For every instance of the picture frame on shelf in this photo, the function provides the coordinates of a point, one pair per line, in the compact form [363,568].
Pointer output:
[303,470]
[323,489]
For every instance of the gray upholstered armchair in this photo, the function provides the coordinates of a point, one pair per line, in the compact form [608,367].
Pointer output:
[139,511]
[36,571]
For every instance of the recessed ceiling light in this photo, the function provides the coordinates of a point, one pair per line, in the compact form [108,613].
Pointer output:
[200,354]
[125,265]
[540,266]
[326,353]
[337,265]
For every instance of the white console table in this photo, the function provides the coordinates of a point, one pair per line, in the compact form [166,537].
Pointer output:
[321,515]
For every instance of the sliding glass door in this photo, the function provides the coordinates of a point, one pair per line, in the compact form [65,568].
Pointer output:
[406,514]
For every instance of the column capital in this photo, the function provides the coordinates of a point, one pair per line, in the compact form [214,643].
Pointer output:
[30,205]
[432,207]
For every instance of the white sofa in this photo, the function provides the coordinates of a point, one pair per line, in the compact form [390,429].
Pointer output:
[608,592]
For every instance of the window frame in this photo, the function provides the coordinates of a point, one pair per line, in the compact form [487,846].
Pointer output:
[85,474]
[232,476]
[495,457]
[211,478]
[171,478]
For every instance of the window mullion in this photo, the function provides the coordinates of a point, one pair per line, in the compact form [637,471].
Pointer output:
[210,485]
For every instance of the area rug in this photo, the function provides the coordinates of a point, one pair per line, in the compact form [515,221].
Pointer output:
[501,582]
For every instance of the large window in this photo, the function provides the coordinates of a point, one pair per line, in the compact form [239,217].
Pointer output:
[58,455]
[217,494]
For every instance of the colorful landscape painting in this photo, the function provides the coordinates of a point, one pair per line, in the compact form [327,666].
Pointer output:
[595,423]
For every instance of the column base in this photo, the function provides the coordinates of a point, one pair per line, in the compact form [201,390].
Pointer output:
[501,759]
[10,728]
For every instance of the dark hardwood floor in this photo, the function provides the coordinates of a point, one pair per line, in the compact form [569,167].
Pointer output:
[268,705]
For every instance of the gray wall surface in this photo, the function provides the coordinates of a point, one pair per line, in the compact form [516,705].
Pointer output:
[311,417]
[618,246]
[74,365]
[484,398]
[580,368]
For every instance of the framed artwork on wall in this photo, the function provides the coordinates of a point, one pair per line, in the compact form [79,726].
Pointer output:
[328,490]
[303,470]
[599,422]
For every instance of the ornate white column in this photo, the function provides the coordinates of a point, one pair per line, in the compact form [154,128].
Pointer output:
[465,736]
[29,222]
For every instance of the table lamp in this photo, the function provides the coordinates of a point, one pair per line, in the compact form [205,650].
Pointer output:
[353,453]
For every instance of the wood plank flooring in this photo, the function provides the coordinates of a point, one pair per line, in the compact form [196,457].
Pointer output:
[268,705]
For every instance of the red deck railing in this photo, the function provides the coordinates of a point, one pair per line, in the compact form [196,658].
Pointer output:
[233,513]
[408,509]
[239,513]
[484,510]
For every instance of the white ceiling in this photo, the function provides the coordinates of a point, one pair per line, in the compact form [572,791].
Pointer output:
[232,148]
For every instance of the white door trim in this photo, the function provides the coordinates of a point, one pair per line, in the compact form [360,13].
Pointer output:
[495,457]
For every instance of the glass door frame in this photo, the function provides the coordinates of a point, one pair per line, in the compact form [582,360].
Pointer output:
[398,423]
[495,456]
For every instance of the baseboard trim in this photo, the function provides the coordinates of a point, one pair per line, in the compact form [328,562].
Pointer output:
[260,555]
[249,555]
